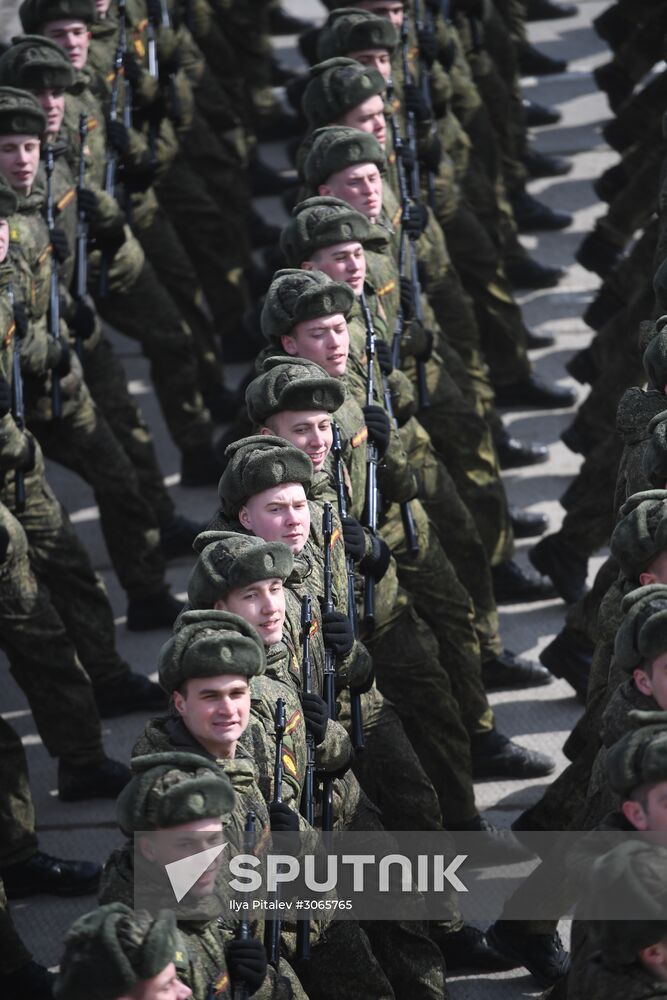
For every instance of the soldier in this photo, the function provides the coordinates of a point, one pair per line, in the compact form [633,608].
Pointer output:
[115,953]
[177,804]
[81,440]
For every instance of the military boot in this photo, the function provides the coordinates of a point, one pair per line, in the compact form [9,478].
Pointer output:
[43,873]
[565,566]
[31,981]
[92,781]
[542,954]
[134,693]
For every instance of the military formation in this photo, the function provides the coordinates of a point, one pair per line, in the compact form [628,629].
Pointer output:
[331,667]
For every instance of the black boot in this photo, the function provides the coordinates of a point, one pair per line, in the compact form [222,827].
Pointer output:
[515,454]
[42,873]
[535,115]
[527,523]
[30,982]
[222,403]
[542,165]
[615,83]
[532,62]
[92,781]
[264,180]
[570,659]
[597,253]
[512,585]
[495,843]
[542,954]
[135,693]
[507,672]
[582,366]
[611,183]
[177,536]
[533,216]
[538,341]
[157,611]
[577,439]
[564,566]
[524,272]
[283,23]
[496,756]
[546,10]
[604,307]
[468,949]
[536,392]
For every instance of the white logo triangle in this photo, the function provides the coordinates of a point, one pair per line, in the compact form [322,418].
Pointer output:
[184,873]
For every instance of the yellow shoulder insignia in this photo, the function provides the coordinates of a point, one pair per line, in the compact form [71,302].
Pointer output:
[14,235]
[9,336]
[66,199]
[142,25]
[392,158]
[110,76]
[289,763]
[314,629]
[44,254]
[293,722]
[360,437]
[221,985]
[334,538]
[389,287]
[397,216]
[92,123]
[139,48]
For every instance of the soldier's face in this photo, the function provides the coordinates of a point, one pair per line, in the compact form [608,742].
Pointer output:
[391,9]
[325,340]
[279,514]
[360,186]
[262,605]
[378,59]
[4,240]
[649,814]
[216,711]
[102,6]
[653,682]
[52,103]
[342,262]
[165,986]
[177,842]
[309,430]
[368,117]
[72,36]
[19,160]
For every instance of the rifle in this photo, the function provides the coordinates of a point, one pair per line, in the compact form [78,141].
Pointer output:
[371,502]
[18,410]
[164,21]
[407,516]
[81,281]
[240,991]
[355,697]
[329,658]
[425,88]
[54,293]
[307,799]
[111,164]
[399,146]
[272,927]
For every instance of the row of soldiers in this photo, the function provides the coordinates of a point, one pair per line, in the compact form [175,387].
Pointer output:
[362,513]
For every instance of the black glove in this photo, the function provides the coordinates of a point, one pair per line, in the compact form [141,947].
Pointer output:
[376,563]
[283,819]
[88,204]
[414,101]
[4,543]
[423,275]
[316,714]
[21,319]
[63,365]
[139,178]
[337,632]
[428,46]
[59,244]
[377,422]
[415,221]
[367,684]
[407,298]
[354,538]
[246,963]
[5,397]
[383,354]
[430,153]
[82,323]
[408,158]
[117,137]
[132,69]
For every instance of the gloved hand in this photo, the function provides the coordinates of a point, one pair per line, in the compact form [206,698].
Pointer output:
[354,538]
[5,397]
[415,221]
[59,244]
[376,563]
[383,354]
[4,543]
[408,158]
[337,632]
[377,422]
[414,101]
[428,46]
[117,137]
[246,963]
[407,298]
[423,275]
[21,319]
[63,363]
[420,341]
[283,819]
[132,69]
[316,714]
[367,683]
[139,178]
[82,323]
[88,204]
[430,153]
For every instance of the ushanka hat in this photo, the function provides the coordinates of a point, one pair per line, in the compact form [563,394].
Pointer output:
[208,643]
[231,561]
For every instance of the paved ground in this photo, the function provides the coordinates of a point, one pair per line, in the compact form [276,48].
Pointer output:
[540,718]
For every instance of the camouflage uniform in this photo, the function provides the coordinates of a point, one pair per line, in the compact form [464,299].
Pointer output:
[13,954]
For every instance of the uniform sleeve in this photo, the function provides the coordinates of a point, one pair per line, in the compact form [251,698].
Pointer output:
[334,754]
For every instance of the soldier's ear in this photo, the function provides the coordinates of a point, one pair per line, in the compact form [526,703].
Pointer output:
[634,813]
[244,518]
[308,265]
[642,682]
[289,345]
[324,189]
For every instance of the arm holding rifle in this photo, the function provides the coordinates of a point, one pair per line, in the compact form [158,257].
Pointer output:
[246,957]
[17,447]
